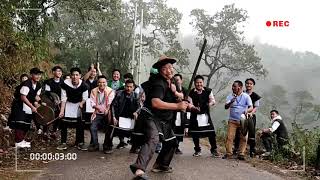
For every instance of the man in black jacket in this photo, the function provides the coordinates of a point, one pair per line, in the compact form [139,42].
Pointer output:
[279,129]
[54,85]
[125,106]
[157,116]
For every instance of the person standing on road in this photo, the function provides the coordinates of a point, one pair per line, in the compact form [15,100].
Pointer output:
[157,117]
[201,124]
[239,103]
[74,94]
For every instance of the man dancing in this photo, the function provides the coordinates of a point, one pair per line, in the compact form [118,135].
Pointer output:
[157,117]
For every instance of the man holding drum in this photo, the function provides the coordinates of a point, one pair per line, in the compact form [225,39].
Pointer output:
[53,85]
[30,91]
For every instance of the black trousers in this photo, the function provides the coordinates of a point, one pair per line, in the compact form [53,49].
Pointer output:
[148,148]
[79,124]
[267,140]
[212,141]
[251,137]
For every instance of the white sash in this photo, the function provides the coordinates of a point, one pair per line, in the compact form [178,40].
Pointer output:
[178,119]
[202,120]
[72,110]
[188,115]
[126,123]
[89,108]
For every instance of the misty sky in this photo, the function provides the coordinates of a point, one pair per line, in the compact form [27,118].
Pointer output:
[303,33]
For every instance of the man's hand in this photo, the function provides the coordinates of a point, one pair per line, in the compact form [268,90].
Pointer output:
[266,130]
[183,105]
[33,109]
[135,115]
[38,98]
[115,121]
[98,65]
[248,115]
[81,105]
[36,104]
[92,67]
[61,114]
[195,109]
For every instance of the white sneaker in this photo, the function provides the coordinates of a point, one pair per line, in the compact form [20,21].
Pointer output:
[23,144]
[266,154]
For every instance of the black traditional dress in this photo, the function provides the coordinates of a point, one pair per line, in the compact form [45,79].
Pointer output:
[88,110]
[180,121]
[202,101]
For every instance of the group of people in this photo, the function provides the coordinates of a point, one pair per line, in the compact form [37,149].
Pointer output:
[158,110]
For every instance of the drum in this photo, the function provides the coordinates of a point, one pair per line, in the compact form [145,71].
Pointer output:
[246,125]
[44,115]
[51,99]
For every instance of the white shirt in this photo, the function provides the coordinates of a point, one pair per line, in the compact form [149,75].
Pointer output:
[25,91]
[275,124]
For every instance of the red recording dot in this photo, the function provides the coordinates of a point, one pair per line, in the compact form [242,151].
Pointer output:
[268,23]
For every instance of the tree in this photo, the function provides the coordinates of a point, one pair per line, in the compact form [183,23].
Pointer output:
[302,104]
[107,27]
[317,110]
[227,54]
[275,98]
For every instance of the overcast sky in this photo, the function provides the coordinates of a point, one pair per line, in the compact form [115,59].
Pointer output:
[303,33]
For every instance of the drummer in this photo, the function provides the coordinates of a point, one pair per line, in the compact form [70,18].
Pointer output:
[54,85]
[30,91]
[74,93]
[125,108]
[239,103]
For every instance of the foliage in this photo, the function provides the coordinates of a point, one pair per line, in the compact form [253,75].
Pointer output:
[87,27]
[227,55]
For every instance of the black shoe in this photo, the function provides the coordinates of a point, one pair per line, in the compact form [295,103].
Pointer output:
[252,154]
[122,145]
[162,169]
[108,150]
[227,157]
[141,177]
[93,147]
[215,154]
[178,151]
[197,154]
[62,146]
[82,147]
[241,157]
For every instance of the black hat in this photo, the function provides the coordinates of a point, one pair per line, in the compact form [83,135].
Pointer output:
[163,60]
[35,71]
